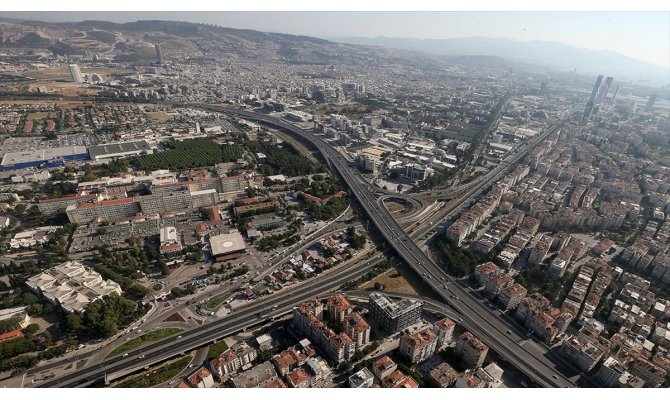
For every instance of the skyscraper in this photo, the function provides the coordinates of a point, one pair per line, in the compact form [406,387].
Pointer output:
[591,102]
[159,53]
[594,92]
[75,73]
[604,89]
[650,104]
[616,91]
[543,89]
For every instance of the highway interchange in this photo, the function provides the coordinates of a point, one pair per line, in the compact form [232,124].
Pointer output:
[489,328]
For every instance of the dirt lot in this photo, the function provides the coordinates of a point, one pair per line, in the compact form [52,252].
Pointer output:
[159,116]
[66,88]
[393,282]
[395,207]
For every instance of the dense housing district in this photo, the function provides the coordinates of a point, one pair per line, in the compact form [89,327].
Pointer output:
[145,199]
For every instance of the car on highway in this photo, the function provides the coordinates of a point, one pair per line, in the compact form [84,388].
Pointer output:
[179,337]
[509,332]
[555,376]
[125,354]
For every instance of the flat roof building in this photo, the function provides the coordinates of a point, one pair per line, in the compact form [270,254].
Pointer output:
[392,315]
[72,286]
[227,243]
[361,379]
[52,157]
[120,149]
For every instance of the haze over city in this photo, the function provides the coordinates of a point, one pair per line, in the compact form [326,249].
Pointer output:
[323,200]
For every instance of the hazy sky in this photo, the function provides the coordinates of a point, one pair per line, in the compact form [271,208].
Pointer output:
[642,35]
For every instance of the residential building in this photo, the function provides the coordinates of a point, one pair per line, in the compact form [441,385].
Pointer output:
[392,315]
[338,307]
[511,296]
[471,350]
[357,329]
[225,364]
[258,376]
[361,379]
[439,373]
[299,378]
[201,378]
[419,346]
[341,348]
[383,367]
[444,329]
[399,380]
[582,351]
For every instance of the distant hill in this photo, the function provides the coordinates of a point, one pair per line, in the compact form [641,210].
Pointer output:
[552,54]
[135,41]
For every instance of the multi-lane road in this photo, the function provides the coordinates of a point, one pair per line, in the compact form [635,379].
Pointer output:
[489,328]
[481,321]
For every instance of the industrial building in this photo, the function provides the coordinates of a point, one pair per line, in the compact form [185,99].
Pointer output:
[121,149]
[43,158]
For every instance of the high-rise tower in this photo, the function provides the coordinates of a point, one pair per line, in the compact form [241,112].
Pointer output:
[604,89]
[159,53]
[591,102]
[650,103]
[75,73]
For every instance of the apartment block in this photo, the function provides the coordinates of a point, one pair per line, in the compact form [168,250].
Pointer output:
[419,346]
[471,350]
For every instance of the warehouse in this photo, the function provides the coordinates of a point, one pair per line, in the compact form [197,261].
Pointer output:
[43,158]
[120,149]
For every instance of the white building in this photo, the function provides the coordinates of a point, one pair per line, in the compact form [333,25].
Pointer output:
[72,286]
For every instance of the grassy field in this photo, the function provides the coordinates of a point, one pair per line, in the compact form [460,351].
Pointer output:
[158,375]
[144,339]
[216,301]
[216,349]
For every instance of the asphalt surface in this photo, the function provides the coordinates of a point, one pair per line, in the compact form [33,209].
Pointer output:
[487,326]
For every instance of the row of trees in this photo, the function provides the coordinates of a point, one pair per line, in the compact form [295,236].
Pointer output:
[186,154]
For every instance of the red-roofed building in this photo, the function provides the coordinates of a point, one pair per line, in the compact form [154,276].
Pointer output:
[471,350]
[399,380]
[419,346]
[276,383]
[299,378]
[338,307]
[357,329]
[511,296]
[224,364]
[201,378]
[15,334]
[444,329]
[383,367]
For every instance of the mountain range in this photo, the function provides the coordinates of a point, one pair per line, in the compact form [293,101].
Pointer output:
[135,41]
[549,54]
